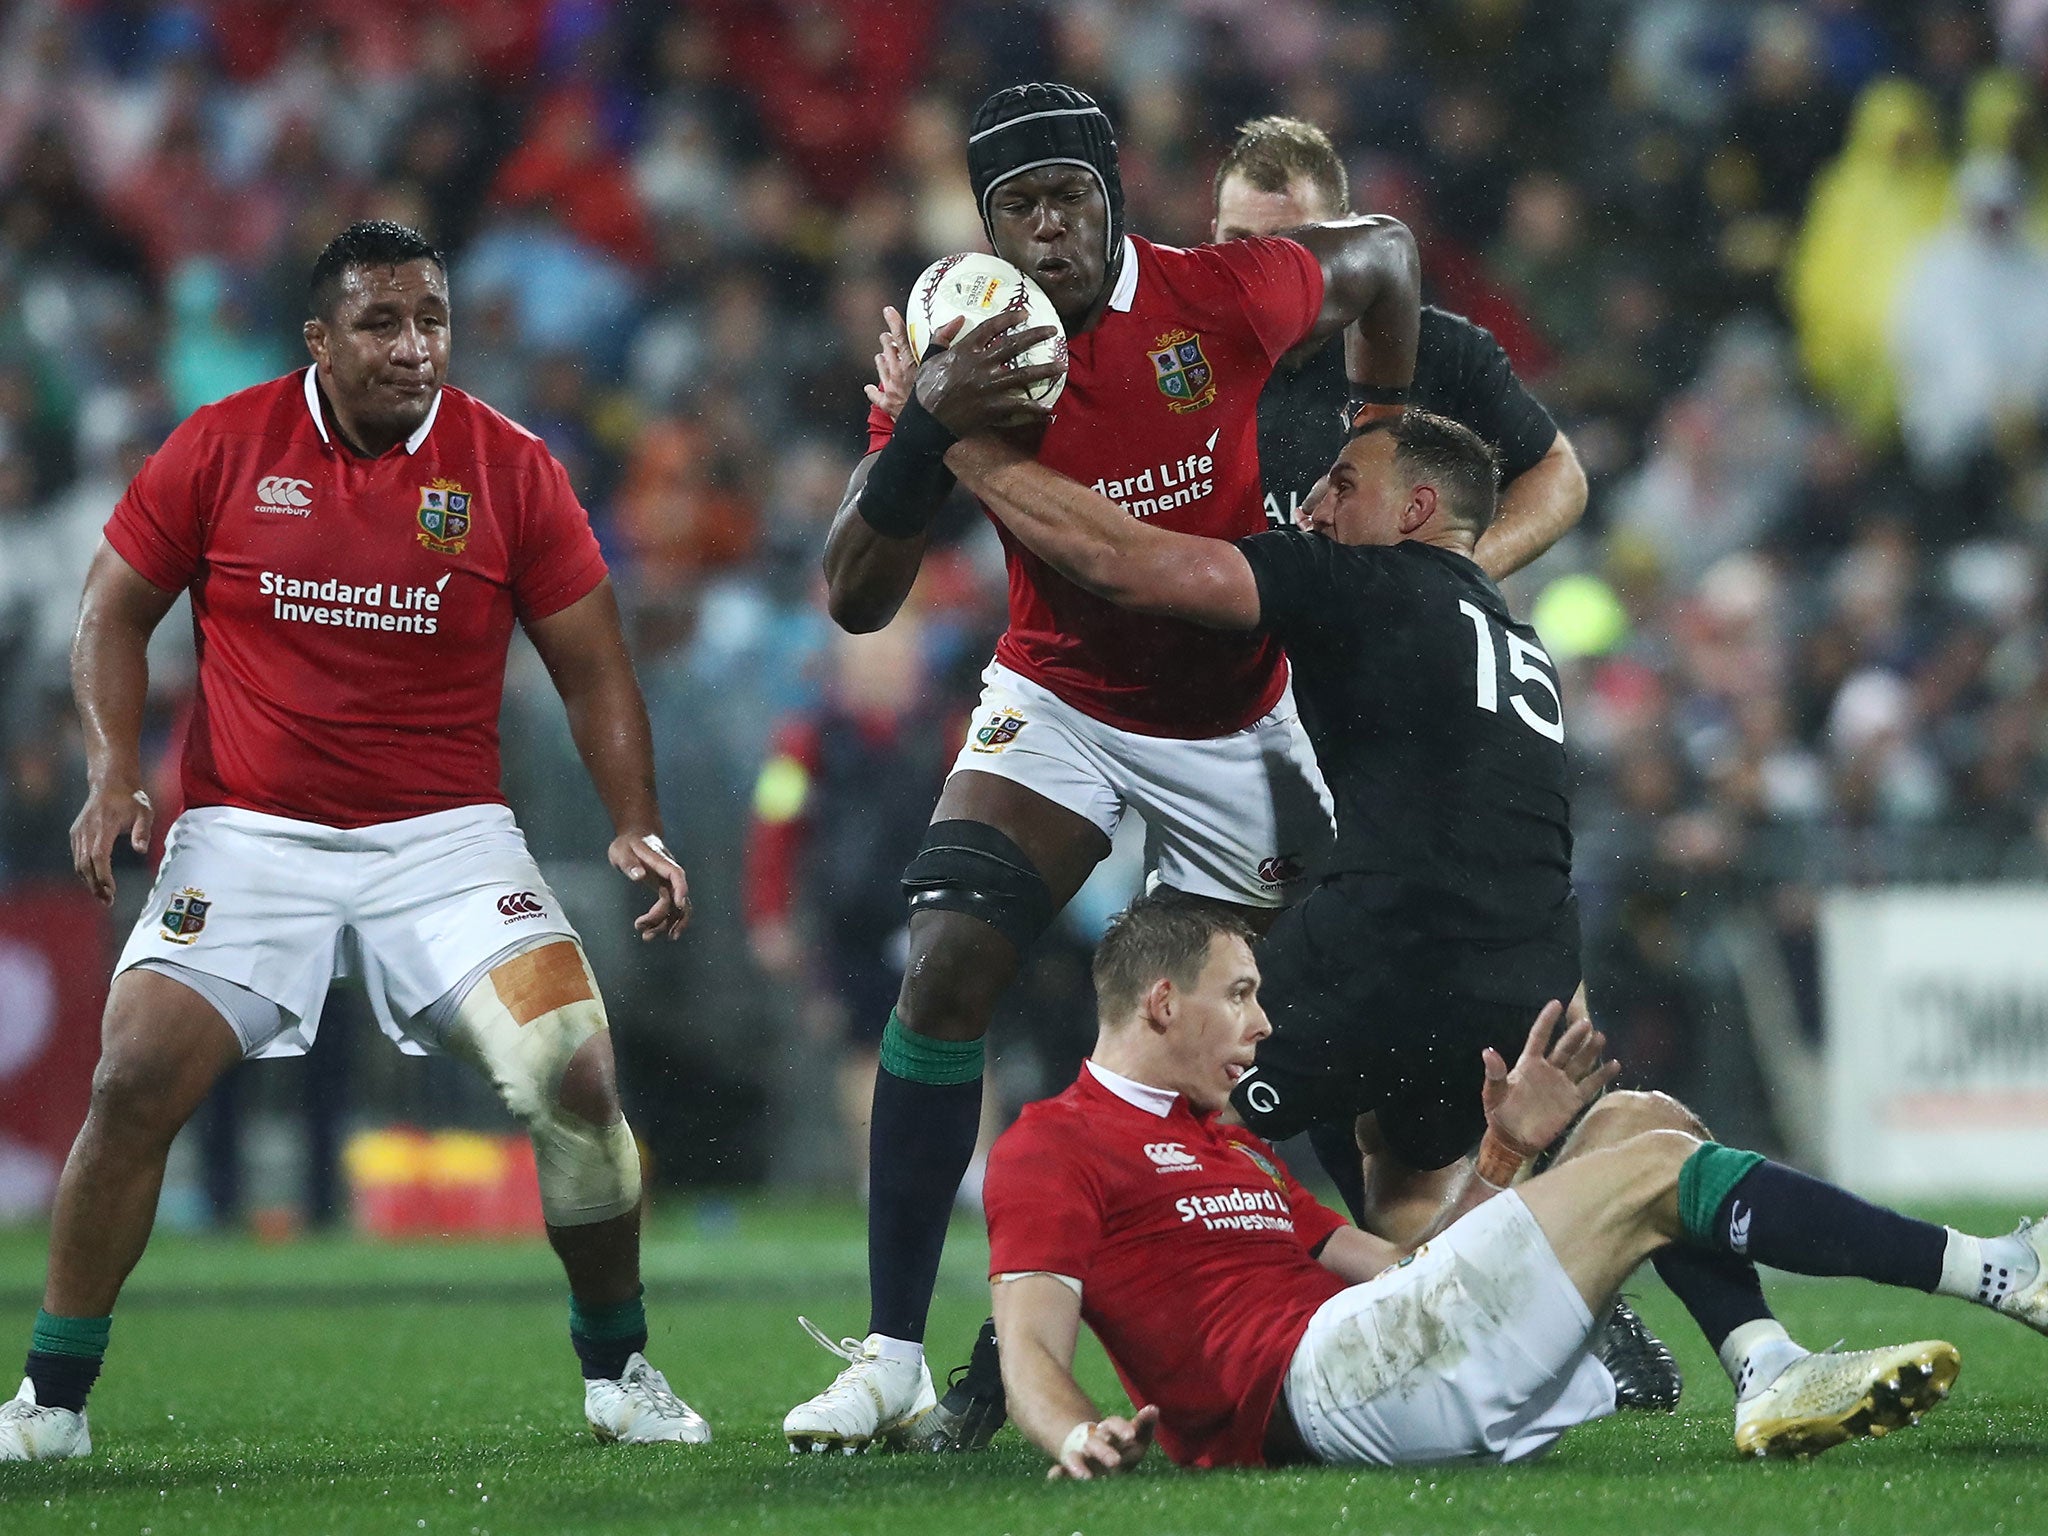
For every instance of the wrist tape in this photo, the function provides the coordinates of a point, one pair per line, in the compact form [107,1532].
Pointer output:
[908,480]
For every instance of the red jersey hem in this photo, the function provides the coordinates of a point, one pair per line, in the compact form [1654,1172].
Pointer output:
[202,801]
[1093,707]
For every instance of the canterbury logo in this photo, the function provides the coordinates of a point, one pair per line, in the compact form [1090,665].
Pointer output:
[1170,1154]
[1738,1228]
[521,904]
[281,493]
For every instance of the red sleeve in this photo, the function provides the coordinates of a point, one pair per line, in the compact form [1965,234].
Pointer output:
[159,525]
[881,427]
[558,561]
[1279,288]
[1043,1202]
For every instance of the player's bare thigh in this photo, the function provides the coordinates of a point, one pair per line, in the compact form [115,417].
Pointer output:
[1064,845]
[162,1047]
[1607,1210]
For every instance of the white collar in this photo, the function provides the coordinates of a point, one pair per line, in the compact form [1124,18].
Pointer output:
[1125,293]
[1154,1101]
[412,443]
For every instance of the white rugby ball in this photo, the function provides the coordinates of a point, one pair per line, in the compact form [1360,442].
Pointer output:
[978,286]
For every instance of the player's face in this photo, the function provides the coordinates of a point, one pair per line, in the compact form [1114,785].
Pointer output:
[1367,496]
[1054,224]
[383,352]
[1242,210]
[1219,1024]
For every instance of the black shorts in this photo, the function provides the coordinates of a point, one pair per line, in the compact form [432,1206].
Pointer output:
[1368,1018]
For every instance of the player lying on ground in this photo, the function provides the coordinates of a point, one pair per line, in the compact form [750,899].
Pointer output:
[358,541]
[1253,1326]
[1088,710]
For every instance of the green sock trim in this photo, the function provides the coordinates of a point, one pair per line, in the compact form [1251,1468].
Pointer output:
[1704,1182]
[82,1337]
[920,1059]
[610,1320]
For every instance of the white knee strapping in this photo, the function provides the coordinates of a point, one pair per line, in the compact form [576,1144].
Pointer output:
[521,1024]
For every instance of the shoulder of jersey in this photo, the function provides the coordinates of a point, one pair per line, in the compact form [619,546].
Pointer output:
[255,404]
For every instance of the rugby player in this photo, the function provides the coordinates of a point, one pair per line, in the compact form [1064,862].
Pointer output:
[1087,710]
[358,540]
[1253,1326]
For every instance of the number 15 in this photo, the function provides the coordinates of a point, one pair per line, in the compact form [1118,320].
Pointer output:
[1522,664]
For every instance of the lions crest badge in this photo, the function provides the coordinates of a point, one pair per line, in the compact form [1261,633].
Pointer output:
[999,731]
[444,517]
[185,916]
[1182,371]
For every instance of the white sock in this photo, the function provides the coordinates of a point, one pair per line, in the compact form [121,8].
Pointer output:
[1756,1354]
[909,1351]
[1985,1269]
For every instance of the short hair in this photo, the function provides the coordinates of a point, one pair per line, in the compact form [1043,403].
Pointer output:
[1272,153]
[367,243]
[1456,460]
[1165,934]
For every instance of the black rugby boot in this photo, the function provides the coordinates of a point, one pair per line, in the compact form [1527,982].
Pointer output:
[1646,1378]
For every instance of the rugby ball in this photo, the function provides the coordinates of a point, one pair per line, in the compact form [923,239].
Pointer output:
[978,286]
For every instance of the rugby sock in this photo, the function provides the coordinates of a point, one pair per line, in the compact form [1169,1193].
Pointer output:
[926,1117]
[1985,1269]
[64,1355]
[607,1334]
[1740,1203]
[1336,1148]
[1722,1292]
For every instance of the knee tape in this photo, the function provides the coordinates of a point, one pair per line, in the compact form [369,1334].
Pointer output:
[970,867]
[521,1024]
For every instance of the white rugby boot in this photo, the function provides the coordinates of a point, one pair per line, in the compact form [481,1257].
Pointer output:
[2030,1302]
[872,1400]
[29,1432]
[640,1408]
[1821,1400]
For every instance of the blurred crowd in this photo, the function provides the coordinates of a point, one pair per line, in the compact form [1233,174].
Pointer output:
[1780,270]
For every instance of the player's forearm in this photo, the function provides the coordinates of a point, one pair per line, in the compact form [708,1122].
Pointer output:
[1538,507]
[608,722]
[110,681]
[1082,534]
[1044,1400]
[1372,283]
[867,575]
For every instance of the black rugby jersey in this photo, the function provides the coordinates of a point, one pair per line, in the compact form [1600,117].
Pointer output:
[1460,372]
[1437,721]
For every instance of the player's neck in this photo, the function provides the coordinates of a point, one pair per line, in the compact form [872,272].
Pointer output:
[357,438]
[1125,1052]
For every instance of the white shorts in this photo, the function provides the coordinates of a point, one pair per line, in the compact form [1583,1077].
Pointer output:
[281,907]
[1475,1349]
[1243,818]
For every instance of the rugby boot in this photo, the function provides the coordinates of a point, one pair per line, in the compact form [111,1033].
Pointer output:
[872,1401]
[2029,1303]
[30,1432]
[1645,1375]
[1821,1400]
[973,1408]
[640,1408]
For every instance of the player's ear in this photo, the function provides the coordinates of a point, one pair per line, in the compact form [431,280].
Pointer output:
[315,332]
[1160,1003]
[1421,508]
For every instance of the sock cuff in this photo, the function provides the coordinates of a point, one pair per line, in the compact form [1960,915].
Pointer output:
[80,1337]
[1704,1182]
[609,1320]
[920,1059]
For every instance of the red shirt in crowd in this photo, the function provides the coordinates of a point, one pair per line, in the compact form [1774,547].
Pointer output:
[1160,414]
[352,614]
[1192,1243]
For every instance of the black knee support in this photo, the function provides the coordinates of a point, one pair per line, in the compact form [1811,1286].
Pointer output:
[970,867]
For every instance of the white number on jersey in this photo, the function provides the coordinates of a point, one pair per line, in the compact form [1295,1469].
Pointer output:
[1526,664]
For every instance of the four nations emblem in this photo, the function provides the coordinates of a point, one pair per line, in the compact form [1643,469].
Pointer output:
[1182,372]
[444,517]
[1000,731]
[186,915]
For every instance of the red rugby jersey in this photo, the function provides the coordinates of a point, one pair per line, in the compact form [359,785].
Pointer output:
[352,614]
[1192,1243]
[1160,414]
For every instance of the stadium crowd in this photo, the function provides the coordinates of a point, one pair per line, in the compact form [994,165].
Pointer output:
[1780,271]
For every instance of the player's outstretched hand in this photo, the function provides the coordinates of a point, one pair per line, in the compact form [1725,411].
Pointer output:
[895,368]
[643,856]
[974,385]
[1531,1105]
[1112,1445]
[109,811]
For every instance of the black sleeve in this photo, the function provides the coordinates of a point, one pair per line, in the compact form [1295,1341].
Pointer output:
[1306,582]
[1482,390]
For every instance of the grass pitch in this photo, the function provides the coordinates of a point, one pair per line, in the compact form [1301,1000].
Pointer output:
[327,1385]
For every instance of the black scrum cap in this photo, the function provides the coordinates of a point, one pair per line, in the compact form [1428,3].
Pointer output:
[1024,127]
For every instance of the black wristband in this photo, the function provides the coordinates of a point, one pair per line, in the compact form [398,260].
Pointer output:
[908,481]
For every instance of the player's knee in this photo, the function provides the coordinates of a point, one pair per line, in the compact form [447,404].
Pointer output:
[133,1098]
[973,869]
[1629,1112]
[1655,1157]
[957,971]
[589,1085]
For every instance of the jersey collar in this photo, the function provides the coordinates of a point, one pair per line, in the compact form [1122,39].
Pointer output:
[1154,1101]
[412,443]
[1125,293]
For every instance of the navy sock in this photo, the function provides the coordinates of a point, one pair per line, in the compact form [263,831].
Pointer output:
[64,1355]
[926,1117]
[1336,1148]
[1739,1203]
[1721,1291]
[606,1336]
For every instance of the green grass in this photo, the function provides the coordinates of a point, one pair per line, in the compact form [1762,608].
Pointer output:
[325,1385]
